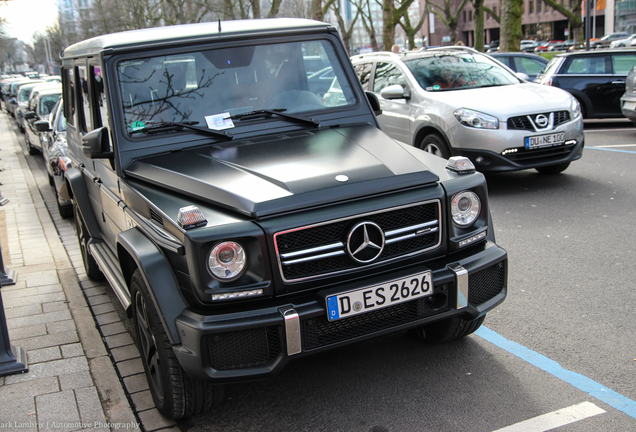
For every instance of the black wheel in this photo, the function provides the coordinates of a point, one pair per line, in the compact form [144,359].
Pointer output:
[90,265]
[448,330]
[174,393]
[436,145]
[554,169]
[51,180]
[66,210]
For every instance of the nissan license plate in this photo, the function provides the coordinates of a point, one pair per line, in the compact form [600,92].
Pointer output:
[548,140]
[379,296]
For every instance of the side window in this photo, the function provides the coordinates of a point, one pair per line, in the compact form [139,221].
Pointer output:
[529,66]
[387,74]
[587,65]
[100,96]
[622,64]
[68,78]
[364,74]
[84,117]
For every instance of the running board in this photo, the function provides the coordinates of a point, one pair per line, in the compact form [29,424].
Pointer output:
[109,266]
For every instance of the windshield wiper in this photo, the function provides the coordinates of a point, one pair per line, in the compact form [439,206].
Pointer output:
[179,126]
[270,112]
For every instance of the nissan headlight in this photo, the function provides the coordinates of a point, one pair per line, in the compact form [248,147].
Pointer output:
[465,208]
[575,108]
[226,261]
[476,119]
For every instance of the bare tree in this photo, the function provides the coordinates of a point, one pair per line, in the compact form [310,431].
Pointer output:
[364,7]
[573,14]
[405,23]
[345,31]
[392,13]
[449,16]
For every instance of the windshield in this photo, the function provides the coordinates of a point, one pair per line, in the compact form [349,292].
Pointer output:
[455,71]
[208,87]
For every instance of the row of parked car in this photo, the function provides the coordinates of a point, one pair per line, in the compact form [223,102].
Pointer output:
[35,103]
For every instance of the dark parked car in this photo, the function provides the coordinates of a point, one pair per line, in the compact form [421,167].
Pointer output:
[55,153]
[244,223]
[595,78]
[529,64]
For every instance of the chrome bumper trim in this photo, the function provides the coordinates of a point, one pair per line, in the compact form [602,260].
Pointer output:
[292,330]
[461,282]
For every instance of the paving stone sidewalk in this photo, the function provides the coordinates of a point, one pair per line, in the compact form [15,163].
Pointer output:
[71,383]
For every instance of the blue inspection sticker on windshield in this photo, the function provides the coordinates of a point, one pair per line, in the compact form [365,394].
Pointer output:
[219,121]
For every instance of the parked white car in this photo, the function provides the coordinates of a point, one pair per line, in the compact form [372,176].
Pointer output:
[459,102]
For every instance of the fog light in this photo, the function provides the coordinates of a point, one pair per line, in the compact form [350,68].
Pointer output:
[472,239]
[237,295]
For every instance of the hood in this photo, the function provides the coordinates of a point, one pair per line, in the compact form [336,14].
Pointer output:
[509,100]
[274,174]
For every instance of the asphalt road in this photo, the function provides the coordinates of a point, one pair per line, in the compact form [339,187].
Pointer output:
[564,337]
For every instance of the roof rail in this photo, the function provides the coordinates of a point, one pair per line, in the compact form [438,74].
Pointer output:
[453,47]
[377,53]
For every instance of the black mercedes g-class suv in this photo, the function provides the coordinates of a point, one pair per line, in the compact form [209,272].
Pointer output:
[247,212]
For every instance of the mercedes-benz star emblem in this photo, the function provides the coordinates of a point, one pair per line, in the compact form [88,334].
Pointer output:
[541,120]
[365,242]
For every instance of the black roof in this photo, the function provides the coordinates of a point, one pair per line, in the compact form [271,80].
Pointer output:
[190,33]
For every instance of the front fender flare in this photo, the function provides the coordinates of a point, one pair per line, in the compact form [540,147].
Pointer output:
[159,277]
[79,193]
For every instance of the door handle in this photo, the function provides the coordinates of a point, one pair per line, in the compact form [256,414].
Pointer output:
[618,82]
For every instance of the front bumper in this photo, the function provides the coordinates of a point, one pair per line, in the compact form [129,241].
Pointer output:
[238,346]
[628,112]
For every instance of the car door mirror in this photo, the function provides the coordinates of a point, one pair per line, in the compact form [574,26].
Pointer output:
[395,91]
[42,126]
[29,115]
[522,76]
[375,103]
[96,144]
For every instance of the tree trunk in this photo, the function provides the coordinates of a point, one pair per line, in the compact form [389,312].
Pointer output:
[511,13]
[478,37]
[388,25]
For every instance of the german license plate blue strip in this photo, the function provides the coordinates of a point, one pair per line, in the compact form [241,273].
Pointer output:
[379,296]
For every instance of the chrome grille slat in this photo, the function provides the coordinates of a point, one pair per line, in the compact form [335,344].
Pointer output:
[320,250]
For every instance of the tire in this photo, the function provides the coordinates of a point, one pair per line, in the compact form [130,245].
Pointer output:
[448,330]
[554,169]
[90,265]
[66,211]
[436,145]
[175,394]
[51,180]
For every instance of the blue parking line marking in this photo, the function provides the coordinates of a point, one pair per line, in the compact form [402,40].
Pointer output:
[609,149]
[577,380]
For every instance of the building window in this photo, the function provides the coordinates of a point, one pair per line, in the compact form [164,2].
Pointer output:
[470,15]
[531,6]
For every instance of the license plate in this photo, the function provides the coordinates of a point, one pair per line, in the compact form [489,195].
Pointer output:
[629,105]
[548,140]
[379,296]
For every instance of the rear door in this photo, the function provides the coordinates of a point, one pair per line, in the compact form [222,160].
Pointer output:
[395,119]
[589,78]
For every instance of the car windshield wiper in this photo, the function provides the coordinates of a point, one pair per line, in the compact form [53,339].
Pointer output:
[274,111]
[178,126]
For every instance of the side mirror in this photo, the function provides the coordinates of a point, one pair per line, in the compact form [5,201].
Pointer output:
[394,91]
[522,76]
[29,115]
[42,126]
[96,144]
[375,103]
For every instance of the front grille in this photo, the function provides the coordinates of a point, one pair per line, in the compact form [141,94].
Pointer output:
[528,122]
[319,250]
[320,332]
[243,348]
[487,283]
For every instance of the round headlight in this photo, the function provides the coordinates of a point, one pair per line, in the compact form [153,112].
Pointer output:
[227,261]
[465,208]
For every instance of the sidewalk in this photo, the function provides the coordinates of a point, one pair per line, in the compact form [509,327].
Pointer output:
[84,370]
